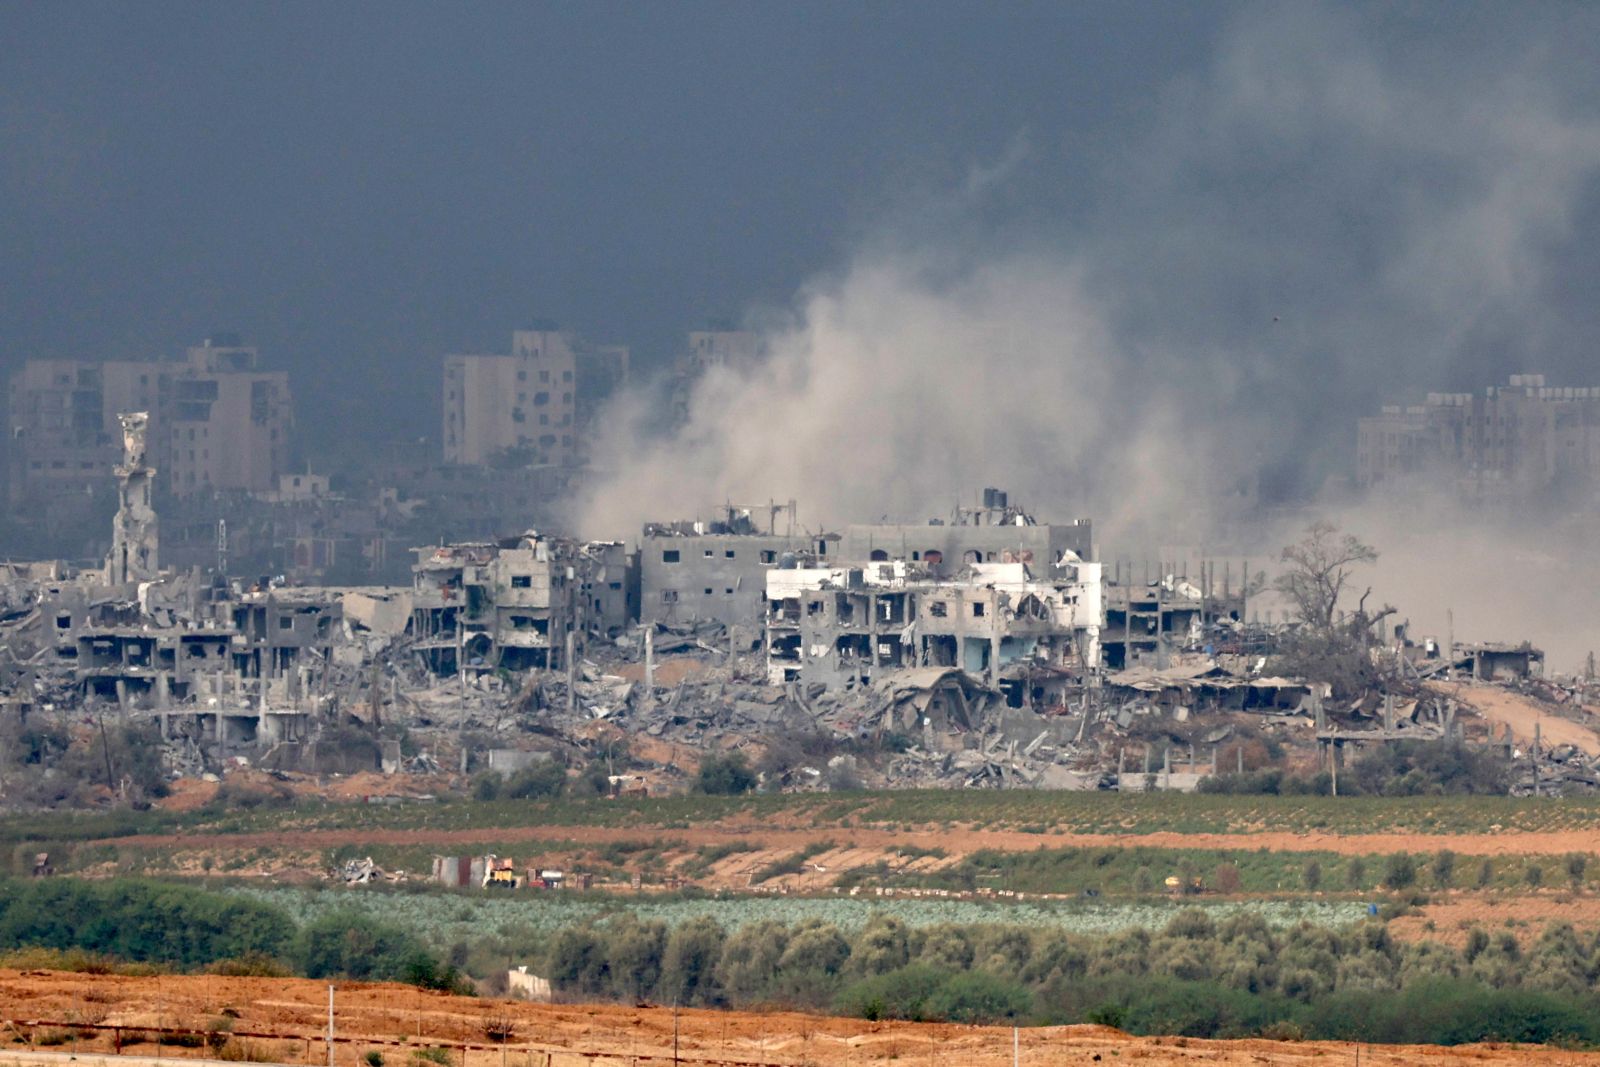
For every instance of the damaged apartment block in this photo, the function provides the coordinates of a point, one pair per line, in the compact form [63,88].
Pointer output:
[715,572]
[993,594]
[526,602]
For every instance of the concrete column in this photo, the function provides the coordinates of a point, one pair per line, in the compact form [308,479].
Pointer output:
[650,660]
[572,678]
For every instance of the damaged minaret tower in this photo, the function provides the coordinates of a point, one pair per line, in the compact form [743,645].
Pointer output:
[135,536]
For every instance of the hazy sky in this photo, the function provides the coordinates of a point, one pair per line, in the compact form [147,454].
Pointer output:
[1306,203]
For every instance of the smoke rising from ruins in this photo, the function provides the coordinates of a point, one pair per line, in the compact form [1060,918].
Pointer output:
[1317,223]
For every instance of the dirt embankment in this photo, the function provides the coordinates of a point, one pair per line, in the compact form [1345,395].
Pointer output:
[1503,707]
[395,1021]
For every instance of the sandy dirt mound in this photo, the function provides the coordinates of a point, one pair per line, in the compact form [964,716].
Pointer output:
[1503,708]
[389,1018]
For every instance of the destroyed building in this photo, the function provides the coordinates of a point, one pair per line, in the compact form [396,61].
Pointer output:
[518,603]
[135,531]
[996,532]
[843,625]
[694,572]
[1148,620]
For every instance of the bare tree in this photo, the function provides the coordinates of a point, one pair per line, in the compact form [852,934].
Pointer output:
[1319,571]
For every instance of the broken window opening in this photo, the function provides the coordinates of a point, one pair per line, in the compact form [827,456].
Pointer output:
[669,555]
[977,611]
[522,581]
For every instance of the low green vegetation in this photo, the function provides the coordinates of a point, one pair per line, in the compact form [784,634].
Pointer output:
[1197,976]
[91,923]
[1036,811]
[1406,769]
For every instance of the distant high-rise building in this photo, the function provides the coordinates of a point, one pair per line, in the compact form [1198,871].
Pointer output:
[1518,439]
[217,421]
[227,422]
[537,404]
[717,346]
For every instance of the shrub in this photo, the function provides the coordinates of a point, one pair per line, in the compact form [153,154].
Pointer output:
[349,945]
[1399,871]
[897,994]
[1444,867]
[1577,862]
[1355,873]
[978,997]
[725,775]
[546,778]
[1312,876]
[136,920]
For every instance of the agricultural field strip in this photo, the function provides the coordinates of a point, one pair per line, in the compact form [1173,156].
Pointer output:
[1059,815]
[1487,843]
[445,918]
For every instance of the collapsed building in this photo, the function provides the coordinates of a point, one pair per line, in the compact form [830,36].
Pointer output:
[1147,621]
[985,650]
[844,625]
[519,603]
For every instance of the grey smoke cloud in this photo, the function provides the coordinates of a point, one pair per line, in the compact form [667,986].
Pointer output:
[1339,206]
[895,390]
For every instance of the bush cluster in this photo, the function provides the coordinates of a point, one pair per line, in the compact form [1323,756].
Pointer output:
[1196,977]
[1405,769]
[152,922]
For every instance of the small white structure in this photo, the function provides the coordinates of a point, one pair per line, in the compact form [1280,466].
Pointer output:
[525,986]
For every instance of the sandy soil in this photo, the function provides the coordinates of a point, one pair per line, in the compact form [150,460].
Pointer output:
[189,794]
[387,1018]
[955,842]
[1503,708]
[1525,914]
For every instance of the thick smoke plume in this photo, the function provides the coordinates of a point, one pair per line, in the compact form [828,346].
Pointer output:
[896,391]
[1339,209]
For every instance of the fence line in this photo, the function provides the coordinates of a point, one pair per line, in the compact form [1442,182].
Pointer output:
[321,1038]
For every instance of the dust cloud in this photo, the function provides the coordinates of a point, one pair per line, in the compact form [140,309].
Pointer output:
[1319,222]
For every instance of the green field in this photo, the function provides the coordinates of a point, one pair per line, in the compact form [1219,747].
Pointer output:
[1024,811]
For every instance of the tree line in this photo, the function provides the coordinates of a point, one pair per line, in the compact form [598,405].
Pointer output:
[1197,976]
[181,927]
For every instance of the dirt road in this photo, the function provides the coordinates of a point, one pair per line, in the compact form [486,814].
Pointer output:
[954,841]
[396,1022]
[1504,708]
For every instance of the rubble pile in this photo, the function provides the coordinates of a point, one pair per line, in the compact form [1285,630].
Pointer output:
[466,672]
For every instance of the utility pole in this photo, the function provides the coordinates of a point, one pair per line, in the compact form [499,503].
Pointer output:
[330,1026]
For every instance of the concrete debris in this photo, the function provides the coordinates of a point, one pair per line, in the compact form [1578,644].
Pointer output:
[987,652]
[364,871]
